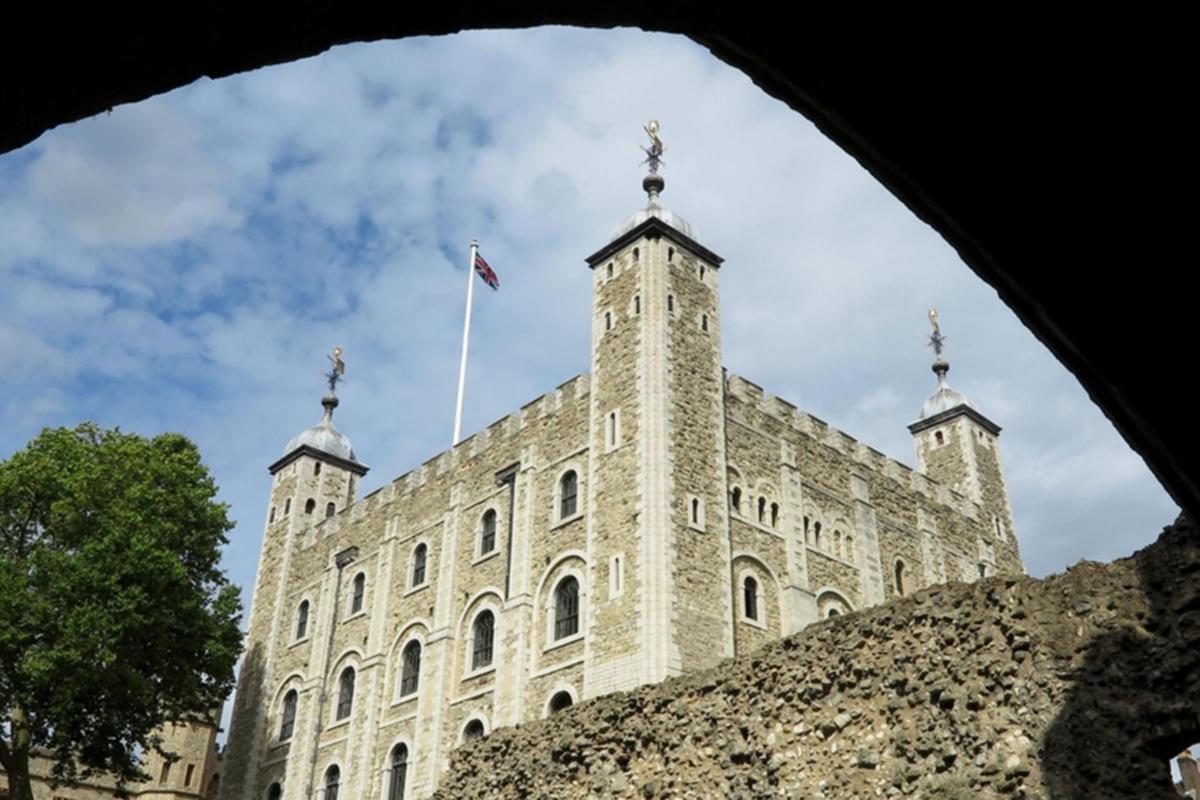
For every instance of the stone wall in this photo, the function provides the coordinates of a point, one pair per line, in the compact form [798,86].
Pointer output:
[1082,685]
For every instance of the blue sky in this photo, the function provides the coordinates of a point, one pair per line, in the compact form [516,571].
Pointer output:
[185,263]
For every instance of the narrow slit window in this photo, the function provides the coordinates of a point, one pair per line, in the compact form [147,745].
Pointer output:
[608,320]
[568,495]
[704,322]
[418,569]
[487,537]
[750,598]
[566,608]
[670,302]
[735,499]
[360,592]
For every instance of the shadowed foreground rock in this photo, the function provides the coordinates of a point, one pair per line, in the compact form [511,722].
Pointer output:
[1078,686]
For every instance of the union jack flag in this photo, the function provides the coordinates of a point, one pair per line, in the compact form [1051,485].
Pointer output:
[485,272]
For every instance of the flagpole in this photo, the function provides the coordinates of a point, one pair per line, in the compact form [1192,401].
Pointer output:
[462,367]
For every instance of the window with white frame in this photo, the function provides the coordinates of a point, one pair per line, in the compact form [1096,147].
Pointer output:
[410,670]
[750,598]
[345,701]
[287,716]
[487,532]
[483,632]
[568,494]
[566,608]
[358,593]
[399,770]
[418,565]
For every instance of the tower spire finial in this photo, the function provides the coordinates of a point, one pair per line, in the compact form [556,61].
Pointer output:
[653,183]
[938,342]
[337,373]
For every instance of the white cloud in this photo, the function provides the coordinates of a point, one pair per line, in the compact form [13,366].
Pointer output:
[135,178]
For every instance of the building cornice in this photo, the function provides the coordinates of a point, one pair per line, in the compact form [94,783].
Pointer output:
[949,414]
[308,450]
[653,228]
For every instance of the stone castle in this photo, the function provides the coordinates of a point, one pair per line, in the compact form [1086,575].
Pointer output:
[644,520]
[192,773]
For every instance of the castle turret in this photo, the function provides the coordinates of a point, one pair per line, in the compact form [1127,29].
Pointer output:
[959,447]
[317,476]
[659,533]
[192,771]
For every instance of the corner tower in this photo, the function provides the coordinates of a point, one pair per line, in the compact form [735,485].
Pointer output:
[317,476]
[658,532]
[959,447]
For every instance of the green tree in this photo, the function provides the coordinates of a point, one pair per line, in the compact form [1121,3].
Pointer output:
[114,616]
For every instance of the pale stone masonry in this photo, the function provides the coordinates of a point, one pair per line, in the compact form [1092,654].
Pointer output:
[643,521]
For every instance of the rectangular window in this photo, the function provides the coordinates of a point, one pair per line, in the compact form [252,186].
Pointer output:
[166,772]
[187,777]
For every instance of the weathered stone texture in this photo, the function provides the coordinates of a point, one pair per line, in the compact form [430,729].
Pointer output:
[670,578]
[1080,685]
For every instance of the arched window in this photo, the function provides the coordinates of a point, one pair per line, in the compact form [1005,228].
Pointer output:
[750,598]
[635,254]
[302,620]
[309,505]
[762,509]
[735,499]
[360,591]
[214,789]
[333,777]
[849,543]
[837,542]
[399,773]
[806,532]
[481,650]
[568,488]
[274,793]
[330,510]
[774,515]
[317,468]
[559,701]
[473,730]
[345,702]
[566,608]
[487,536]
[833,612]
[418,566]
[899,577]
[940,438]
[287,719]
[817,535]
[609,270]
[410,672]
[670,254]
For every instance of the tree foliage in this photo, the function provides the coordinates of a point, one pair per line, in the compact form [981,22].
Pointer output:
[114,615]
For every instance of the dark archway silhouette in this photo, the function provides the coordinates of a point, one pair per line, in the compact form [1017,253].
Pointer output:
[1009,143]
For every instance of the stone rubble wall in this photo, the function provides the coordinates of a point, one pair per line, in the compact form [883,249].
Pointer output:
[1080,685]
